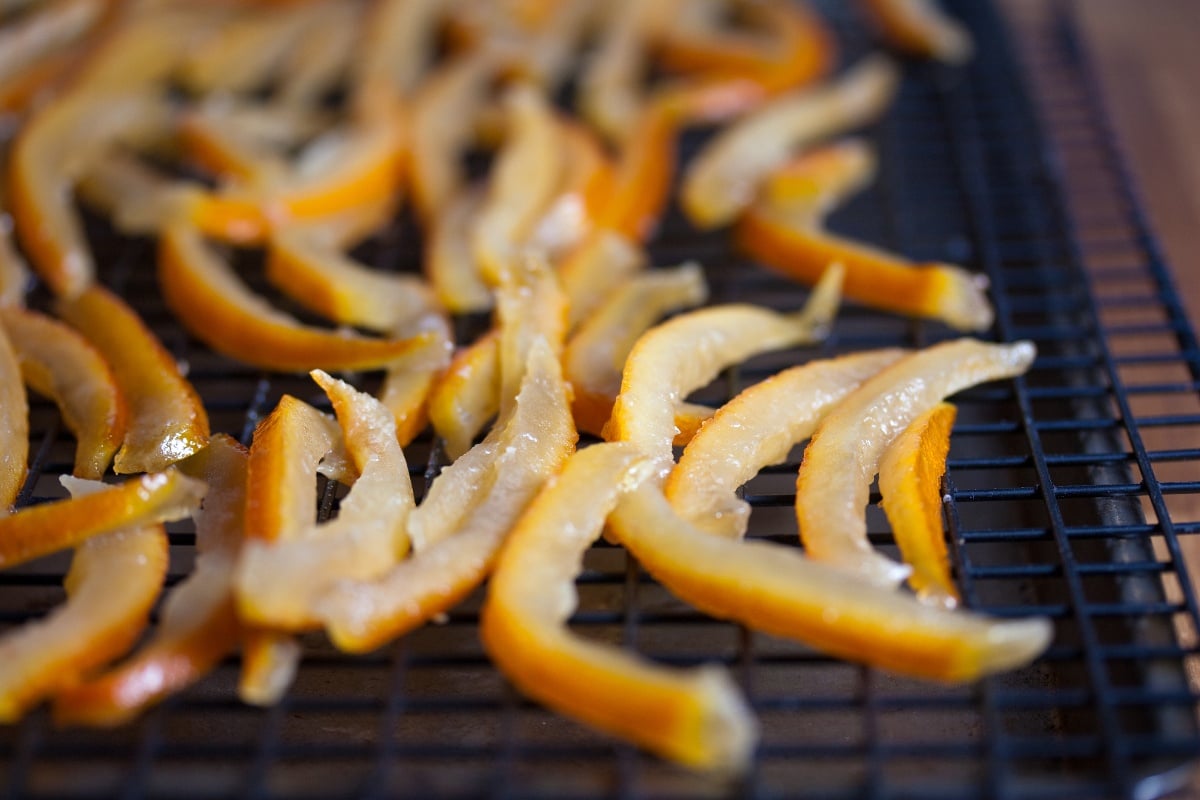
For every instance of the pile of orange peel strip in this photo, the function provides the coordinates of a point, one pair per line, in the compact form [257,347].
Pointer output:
[301,130]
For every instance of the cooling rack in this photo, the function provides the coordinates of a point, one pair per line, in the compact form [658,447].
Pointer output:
[1068,494]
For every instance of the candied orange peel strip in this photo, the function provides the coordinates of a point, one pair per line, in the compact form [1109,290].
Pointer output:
[758,428]
[398,38]
[921,28]
[594,269]
[14,272]
[212,302]
[775,589]
[596,352]
[166,420]
[811,185]
[407,390]
[449,261]
[111,587]
[835,476]
[725,177]
[685,353]
[39,530]
[696,717]
[278,583]
[14,427]
[910,475]
[199,624]
[459,528]
[60,364]
[467,394]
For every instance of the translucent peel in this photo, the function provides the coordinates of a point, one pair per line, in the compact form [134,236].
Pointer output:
[458,530]
[777,590]
[724,178]
[685,353]
[407,391]
[14,272]
[112,584]
[449,263]
[166,420]
[756,429]
[920,28]
[696,717]
[214,305]
[199,625]
[59,363]
[807,188]
[835,476]
[594,268]
[467,394]
[596,353]
[14,427]
[910,477]
[279,583]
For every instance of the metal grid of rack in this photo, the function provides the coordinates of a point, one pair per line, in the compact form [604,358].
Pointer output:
[1061,499]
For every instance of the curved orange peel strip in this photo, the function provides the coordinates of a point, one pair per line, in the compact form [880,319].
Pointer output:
[199,625]
[166,420]
[696,717]
[398,38]
[449,262]
[584,187]
[214,305]
[527,173]
[324,280]
[530,306]
[610,96]
[14,272]
[244,51]
[459,528]
[595,355]
[467,394]
[60,364]
[44,31]
[756,429]
[111,587]
[14,427]
[210,142]
[726,175]
[53,150]
[835,476]
[137,198]
[39,530]
[775,589]
[321,57]
[595,268]
[910,477]
[645,167]
[408,391]
[808,187]
[920,28]
[685,353]
[279,582]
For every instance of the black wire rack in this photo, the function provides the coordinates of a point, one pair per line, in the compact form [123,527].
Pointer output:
[1069,494]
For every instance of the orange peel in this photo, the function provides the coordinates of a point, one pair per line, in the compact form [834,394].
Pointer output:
[467,394]
[166,420]
[14,427]
[59,363]
[910,474]
[408,391]
[584,187]
[596,352]
[594,269]
[726,175]
[111,587]
[685,353]
[696,717]
[214,305]
[835,476]
[278,583]
[758,428]
[775,589]
[808,187]
[39,530]
[397,44]
[921,28]
[459,528]
[199,625]
[14,272]
[449,262]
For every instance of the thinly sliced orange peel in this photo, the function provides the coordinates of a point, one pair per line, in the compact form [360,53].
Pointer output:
[696,717]
[59,363]
[166,420]
[245,51]
[199,624]
[910,477]
[523,183]
[835,475]
[687,352]
[610,96]
[51,153]
[758,428]
[278,583]
[467,394]
[808,187]
[920,28]
[137,198]
[323,279]
[14,272]
[530,307]
[111,587]
[725,177]
[594,269]
[209,141]
[450,263]
[407,391]
[397,45]
[596,352]
[321,57]
[39,530]
[14,427]
[214,305]
[775,589]
[584,186]
[460,527]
